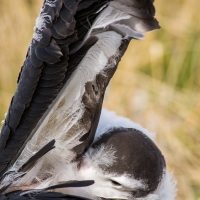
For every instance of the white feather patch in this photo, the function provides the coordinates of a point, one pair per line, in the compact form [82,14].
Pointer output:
[167,188]
[127,31]
[165,191]
[110,120]
[100,157]
[109,16]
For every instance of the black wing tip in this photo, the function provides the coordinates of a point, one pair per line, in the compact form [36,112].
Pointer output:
[44,150]
[74,183]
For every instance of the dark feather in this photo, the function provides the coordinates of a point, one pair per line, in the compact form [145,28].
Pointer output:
[28,101]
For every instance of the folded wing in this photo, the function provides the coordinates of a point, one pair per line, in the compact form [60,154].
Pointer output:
[74,53]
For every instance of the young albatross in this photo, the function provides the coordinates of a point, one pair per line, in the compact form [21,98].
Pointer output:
[74,53]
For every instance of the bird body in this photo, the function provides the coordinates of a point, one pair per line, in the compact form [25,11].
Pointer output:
[118,145]
[74,53]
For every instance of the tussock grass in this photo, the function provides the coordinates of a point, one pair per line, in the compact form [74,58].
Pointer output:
[157,83]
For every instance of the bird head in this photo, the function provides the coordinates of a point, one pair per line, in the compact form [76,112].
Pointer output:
[126,164]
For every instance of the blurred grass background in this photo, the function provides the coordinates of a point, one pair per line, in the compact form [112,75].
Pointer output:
[157,83]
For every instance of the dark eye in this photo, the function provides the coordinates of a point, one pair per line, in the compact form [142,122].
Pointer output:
[115,183]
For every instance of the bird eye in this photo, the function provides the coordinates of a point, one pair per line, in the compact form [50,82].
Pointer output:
[115,183]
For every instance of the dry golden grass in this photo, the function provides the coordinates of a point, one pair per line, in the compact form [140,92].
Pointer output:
[157,83]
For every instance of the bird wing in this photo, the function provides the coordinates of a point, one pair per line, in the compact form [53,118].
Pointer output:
[45,70]
[62,82]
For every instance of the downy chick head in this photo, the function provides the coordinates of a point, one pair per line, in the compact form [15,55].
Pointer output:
[126,164]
